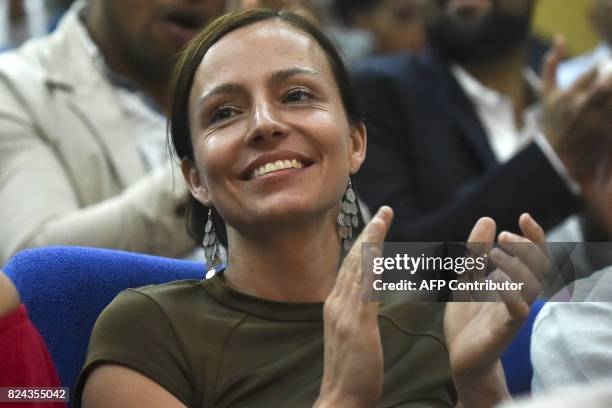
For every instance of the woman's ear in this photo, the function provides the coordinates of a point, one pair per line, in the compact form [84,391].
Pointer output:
[196,184]
[358,145]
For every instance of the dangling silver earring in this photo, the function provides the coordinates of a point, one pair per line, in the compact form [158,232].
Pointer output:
[348,220]
[211,246]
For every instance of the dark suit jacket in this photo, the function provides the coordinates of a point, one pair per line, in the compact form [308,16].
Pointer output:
[429,158]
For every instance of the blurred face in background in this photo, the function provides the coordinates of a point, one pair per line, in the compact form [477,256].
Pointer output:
[474,31]
[149,33]
[305,8]
[397,25]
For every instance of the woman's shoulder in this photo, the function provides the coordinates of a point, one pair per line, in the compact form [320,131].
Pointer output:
[136,331]
[164,292]
[165,332]
[155,299]
[178,312]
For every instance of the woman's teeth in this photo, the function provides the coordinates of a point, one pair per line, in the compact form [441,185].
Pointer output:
[276,166]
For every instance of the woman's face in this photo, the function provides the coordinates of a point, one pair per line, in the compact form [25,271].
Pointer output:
[271,139]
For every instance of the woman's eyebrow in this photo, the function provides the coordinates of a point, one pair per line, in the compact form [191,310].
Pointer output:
[217,90]
[285,74]
[276,77]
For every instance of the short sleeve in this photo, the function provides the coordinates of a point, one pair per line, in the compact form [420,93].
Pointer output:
[133,331]
[570,344]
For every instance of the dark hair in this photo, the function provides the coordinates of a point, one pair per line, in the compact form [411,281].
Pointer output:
[184,73]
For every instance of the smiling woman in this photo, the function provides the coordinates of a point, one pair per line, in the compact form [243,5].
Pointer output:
[268,134]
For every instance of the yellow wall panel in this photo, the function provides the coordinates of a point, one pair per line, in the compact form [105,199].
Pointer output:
[567,17]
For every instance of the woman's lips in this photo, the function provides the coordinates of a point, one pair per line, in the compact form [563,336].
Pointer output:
[275,166]
[271,162]
[278,175]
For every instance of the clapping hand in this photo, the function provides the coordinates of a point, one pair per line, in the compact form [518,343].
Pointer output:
[478,332]
[353,357]
[576,121]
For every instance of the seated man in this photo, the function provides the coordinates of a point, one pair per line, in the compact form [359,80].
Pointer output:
[394,25]
[570,342]
[24,360]
[461,131]
[83,155]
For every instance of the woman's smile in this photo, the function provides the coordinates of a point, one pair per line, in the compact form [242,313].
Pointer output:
[281,161]
[276,166]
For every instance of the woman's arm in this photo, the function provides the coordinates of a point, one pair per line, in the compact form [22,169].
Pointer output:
[115,386]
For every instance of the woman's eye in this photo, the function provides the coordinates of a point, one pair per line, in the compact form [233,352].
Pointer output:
[222,113]
[298,95]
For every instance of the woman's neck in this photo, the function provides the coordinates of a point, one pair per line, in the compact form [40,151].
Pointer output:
[297,264]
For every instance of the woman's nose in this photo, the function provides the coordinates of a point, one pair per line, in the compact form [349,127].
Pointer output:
[266,124]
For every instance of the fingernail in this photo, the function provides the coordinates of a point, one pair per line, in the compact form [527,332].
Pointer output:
[382,210]
[532,221]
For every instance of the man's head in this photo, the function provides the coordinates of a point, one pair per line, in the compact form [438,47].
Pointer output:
[146,35]
[601,18]
[397,25]
[475,31]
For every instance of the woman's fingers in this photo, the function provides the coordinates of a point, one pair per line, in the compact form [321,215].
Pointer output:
[350,274]
[533,231]
[367,290]
[483,231]
[516,270]
[353,363]
[517,309]
[527,252]
[479,244]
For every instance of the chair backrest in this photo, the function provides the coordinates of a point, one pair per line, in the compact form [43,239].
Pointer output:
[66,288]
[517,360]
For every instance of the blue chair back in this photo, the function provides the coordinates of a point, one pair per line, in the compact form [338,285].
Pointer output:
[516,359]
[66,288]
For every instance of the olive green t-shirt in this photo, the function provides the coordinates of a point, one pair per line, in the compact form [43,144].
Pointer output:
[211,346]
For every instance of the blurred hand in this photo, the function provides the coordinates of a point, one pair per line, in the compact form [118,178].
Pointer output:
[477,333]
[353,357]
[598,195]
[577,121]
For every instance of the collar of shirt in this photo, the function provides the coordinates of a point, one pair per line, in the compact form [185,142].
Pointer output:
[141,111]
[496,113]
